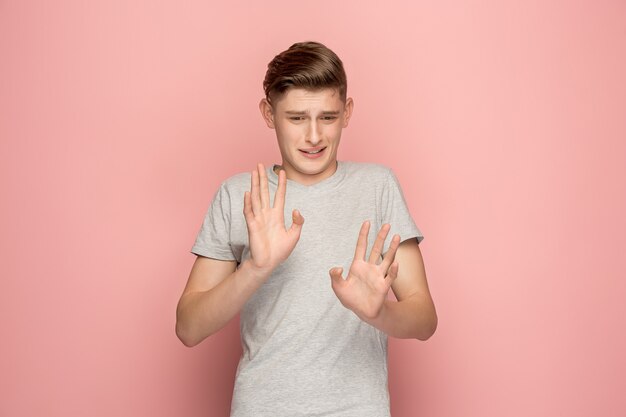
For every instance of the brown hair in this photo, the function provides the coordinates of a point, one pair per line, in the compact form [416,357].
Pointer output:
[309,65]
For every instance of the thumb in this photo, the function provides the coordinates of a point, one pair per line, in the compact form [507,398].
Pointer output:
[297,222]
[335,275]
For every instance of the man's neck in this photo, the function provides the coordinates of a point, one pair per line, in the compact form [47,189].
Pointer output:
[277,168]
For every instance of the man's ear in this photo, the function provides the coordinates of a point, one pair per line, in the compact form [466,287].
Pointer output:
[347,111]
[267,112]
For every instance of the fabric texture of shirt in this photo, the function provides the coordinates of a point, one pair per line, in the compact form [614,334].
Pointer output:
[304,353]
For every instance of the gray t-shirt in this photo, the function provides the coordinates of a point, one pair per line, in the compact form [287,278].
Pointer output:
[304,353]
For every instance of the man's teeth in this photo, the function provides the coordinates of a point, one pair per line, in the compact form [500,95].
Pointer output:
[315,151]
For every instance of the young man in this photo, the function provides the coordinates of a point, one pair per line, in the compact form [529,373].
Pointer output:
[276,243]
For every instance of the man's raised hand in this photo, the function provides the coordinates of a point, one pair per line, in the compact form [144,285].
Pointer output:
[270,242]
[366,287]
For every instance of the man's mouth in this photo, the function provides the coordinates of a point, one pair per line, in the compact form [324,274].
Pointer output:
[313,152]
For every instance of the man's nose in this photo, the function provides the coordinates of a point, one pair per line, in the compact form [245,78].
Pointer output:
[314,133]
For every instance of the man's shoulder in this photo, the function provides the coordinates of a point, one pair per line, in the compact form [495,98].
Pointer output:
[236,182]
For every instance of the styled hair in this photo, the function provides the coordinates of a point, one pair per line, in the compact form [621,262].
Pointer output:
[308,65]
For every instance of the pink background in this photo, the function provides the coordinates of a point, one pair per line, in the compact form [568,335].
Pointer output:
[504,121]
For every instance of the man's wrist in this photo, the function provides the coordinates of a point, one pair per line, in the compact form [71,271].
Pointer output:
[380,317]
[257,274]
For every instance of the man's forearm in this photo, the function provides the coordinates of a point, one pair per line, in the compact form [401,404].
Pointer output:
[413,317]
[200,314]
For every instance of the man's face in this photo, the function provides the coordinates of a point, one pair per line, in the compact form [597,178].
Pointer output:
[305,122]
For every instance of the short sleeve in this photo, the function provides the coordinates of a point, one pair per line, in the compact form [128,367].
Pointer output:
[394,211]
[213,239]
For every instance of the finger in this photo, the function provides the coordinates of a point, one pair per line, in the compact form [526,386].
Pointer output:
[297,218]
[391,253]
[265,193]
[335,276]
[254,193]
[378,244]
[296,225]
[361,243]
[392,274]
[279,198]
[247,207]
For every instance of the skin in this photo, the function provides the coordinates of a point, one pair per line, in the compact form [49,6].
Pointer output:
[217,290]
[307,119]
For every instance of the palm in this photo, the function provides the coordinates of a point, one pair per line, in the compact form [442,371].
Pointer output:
[367,284]
[270,242]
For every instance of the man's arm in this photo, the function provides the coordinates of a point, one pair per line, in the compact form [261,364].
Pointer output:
[413,315]
[215,290]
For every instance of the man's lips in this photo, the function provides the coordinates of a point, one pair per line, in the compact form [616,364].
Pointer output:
[314,150]
[318,153]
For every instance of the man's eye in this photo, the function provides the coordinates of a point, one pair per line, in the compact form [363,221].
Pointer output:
[330,118]
[296,118]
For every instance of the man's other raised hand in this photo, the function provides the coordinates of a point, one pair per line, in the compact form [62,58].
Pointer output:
[368,282]
[270,242]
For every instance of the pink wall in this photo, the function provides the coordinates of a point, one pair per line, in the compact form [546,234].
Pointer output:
[504,121]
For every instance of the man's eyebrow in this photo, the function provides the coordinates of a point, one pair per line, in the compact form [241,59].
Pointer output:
[333,112]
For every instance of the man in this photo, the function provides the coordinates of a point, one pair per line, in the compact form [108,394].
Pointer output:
[314,342]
